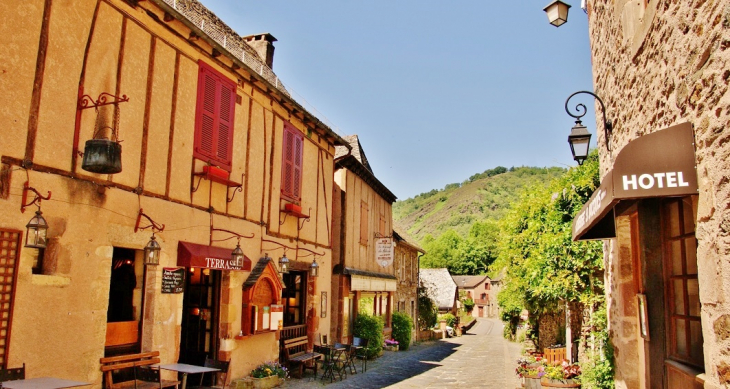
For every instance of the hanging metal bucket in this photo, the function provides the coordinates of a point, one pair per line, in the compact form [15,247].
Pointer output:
[102,156]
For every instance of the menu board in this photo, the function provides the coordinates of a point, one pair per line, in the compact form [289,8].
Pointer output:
[173,279]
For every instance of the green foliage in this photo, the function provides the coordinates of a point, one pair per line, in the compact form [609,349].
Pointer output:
[427,311]
[543,263]
[402,327]
[598,369]
[463,256]
[484,196]
[450,319]
[370,328]
[468,304]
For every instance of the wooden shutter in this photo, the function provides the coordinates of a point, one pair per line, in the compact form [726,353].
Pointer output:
[364,222]
[10,241]
[214,117]
[292,163]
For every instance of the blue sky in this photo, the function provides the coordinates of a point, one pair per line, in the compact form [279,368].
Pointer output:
[437,91]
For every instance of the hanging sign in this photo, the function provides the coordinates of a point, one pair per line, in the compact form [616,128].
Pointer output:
[384,251]
[173,279]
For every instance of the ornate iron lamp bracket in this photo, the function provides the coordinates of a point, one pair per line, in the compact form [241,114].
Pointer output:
[104,98]
[36,199]
[607,125]
[154,226]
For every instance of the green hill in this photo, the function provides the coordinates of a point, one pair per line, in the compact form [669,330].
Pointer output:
[484,196]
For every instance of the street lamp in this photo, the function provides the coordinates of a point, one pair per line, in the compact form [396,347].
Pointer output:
[237,255]
[579,138]
[557,12]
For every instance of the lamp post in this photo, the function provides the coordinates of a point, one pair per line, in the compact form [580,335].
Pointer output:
[579,138]
[557,12]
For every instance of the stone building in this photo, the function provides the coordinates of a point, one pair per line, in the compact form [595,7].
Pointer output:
[440,288]
[214,152]
[662,69]
[363,265]
[407,254]
[480,290]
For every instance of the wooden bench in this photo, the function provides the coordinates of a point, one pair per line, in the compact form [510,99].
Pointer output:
[296,355]
[134,371]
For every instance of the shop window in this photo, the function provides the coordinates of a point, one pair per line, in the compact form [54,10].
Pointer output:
[214,117]
[681,283]
[261,307]
[292,163]
[125,299]
[364,222]
[294,298]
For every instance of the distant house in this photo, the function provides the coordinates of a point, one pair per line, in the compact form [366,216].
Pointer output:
[482,290]
[406,269]
[441,288]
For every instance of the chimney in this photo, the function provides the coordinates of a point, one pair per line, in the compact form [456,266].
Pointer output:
[264,46]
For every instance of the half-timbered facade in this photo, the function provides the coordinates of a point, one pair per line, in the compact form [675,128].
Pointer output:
[215,154]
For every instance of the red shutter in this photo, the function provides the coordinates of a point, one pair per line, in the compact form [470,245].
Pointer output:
[291,165]
[297,179]
[214,118]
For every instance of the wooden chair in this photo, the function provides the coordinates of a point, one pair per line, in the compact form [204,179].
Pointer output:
[12,374]
[218,376]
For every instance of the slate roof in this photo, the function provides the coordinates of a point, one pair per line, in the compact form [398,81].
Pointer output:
[356,162]
[256,272]
[357,151]
[402,237]
[469,282]
[441,288]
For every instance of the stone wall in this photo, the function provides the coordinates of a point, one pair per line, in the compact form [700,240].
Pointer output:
[656,66]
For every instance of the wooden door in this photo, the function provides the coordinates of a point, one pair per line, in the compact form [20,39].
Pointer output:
[199,336]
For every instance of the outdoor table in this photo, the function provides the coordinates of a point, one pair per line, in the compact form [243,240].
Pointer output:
[42,383]
[186,369]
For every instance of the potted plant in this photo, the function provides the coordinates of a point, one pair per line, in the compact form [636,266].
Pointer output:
[565,375]
[268,375]
[391,345]
[530,369]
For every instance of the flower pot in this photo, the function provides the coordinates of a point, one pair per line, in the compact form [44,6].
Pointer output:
[102,156]
[391,348]
[532,382]
[551,383]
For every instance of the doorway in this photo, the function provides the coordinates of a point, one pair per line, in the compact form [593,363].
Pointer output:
[199,337]
[126,287]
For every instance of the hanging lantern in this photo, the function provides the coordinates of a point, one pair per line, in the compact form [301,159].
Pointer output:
[284,264]
[152,252]
[237,256]
[35,236]
[102,156]
[314,269]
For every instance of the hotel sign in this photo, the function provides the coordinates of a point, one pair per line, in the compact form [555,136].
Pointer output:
[659,164]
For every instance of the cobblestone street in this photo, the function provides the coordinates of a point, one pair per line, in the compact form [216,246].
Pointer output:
[482,358]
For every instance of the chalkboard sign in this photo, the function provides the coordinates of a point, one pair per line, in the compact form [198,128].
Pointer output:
[173,279]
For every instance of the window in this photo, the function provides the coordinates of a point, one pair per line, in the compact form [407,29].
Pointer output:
[363,222]
[680,267]
[38,256]
[214,117]
[291,165]
[487,286]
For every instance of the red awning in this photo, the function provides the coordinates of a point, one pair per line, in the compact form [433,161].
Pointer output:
[208,257]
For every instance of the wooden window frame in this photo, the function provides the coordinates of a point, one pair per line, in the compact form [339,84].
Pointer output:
[215,115]
[672,318]
[292,163]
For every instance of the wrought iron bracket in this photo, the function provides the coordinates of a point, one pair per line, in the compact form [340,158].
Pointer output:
[104,98]
[378,235]
[296,215]
[293,248]
[36,199]
[607,125]
[154,226]
[233,233]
